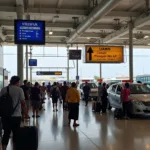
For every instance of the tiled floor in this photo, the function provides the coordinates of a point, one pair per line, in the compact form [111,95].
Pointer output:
[96,132]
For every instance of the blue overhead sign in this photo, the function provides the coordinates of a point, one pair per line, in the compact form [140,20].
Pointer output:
[29,32]
[32,62]
[77,77]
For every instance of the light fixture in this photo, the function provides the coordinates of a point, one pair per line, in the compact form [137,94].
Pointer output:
[146,36]
[50,32]
[88,38]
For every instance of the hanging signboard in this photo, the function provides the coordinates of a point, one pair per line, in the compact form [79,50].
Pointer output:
[39,73]
[75,54]
[104,54]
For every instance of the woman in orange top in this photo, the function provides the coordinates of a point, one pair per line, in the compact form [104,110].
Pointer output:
[73,99]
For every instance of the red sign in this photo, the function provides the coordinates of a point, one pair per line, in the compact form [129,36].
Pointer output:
[130,81]
[85,80]
[100,80]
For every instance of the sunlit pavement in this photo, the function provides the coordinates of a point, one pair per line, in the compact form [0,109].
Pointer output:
[96,132]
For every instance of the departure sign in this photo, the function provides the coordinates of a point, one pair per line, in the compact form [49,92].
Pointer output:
[29,32]
[104,54]
[32,62]
[47,73]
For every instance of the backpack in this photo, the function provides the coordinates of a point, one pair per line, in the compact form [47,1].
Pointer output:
[6,105]
[55,93]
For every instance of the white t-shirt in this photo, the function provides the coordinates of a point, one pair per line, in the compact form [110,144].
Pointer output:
[17,94]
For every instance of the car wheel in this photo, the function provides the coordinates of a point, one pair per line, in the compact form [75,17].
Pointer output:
[109,106]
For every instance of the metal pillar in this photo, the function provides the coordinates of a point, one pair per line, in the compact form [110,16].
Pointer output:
[100,67]
[131,50]
[30,66]
[26,62]
[77,67]
[67,63]
[20,12]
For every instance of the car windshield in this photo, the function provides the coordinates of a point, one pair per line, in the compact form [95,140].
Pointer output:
[139,89]
[147,85]
[91,85]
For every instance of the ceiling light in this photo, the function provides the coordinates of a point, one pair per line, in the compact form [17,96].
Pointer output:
[88,38]
[146,36]
[51,32]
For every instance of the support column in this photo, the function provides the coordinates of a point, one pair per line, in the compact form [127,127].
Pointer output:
[100,67]
[131,50]
[77,67]
[20,11]
[67,63]
[26,62]
[30,66]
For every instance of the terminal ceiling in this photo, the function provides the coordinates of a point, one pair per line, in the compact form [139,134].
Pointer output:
[64,18]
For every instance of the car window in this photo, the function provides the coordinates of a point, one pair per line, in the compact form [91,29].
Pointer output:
[119,88]
[91,85]
[139,89]
[148,85]
[114,88]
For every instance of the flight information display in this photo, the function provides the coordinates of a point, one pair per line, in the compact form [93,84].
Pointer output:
[29,32]
[32,62]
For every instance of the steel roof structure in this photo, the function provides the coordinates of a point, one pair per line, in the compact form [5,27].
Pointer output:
[81,21]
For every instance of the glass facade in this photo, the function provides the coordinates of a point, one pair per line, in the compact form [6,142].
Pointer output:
[145,79]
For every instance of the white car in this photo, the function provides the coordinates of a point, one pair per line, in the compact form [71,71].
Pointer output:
[140,97]
[93,92]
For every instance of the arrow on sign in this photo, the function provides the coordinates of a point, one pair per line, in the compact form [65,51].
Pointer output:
[90,51]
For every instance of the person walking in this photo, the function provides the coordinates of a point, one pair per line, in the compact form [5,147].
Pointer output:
[104,98]
[48,90]
[63,90]
[26,90]
[35,98]
[86,91]
[125,92]
[73,99]
[55,92]
[43,90]
[12,123]
[99,91]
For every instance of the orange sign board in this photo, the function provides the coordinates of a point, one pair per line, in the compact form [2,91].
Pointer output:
[104,54]
[100,80]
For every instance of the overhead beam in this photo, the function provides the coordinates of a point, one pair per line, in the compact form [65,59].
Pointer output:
[74,12]
[59,3]
[30,3]
[139,22]
[2,36]
[64,25]
[20,2]
[57,41]
[137,5]
[59,34]
[98,12]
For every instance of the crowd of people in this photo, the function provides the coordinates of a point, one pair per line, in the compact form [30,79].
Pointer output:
[27,95]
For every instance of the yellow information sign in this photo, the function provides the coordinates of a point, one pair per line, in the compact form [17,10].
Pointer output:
[58,73]
[104,54]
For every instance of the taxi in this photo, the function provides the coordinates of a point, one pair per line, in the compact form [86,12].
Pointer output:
[139,97]
[93,93]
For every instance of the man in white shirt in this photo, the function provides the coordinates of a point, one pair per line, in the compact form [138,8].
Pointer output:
[12,123]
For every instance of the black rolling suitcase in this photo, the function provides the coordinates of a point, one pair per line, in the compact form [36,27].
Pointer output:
[27,138]
[118,113]
[98,107]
